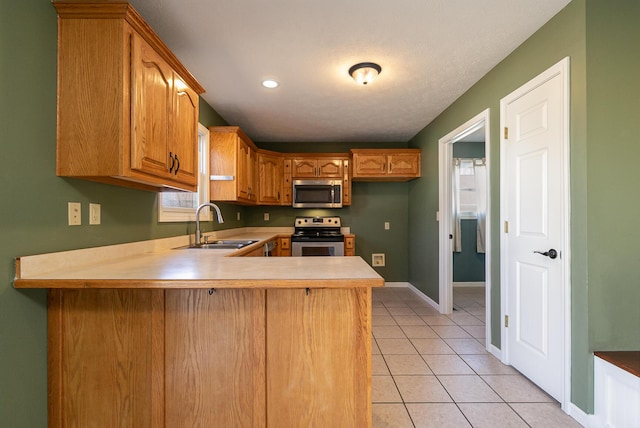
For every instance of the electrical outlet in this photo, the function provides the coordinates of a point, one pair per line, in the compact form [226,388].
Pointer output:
[75,218]
[377,259]
[94,213]
[266,216]
[387,225]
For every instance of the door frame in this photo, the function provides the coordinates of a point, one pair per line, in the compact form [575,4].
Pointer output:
[445,170]
[561,68]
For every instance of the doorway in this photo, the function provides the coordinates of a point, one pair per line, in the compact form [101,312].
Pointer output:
[475,131]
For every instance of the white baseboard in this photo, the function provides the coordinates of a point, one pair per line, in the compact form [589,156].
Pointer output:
[495,351]
[423,296]
[588,421]
[469,284]
[396,284]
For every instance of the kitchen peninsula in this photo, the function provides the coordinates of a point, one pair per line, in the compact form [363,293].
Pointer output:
[146,335]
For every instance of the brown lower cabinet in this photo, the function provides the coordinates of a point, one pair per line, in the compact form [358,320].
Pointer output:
[204,357]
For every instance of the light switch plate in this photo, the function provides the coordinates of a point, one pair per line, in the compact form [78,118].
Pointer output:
[94,213]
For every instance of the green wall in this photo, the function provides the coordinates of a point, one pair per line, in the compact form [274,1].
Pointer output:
[468,264]
[613,176]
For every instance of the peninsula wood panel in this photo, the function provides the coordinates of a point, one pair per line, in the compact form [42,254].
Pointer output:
[215,366]
[106,358]
[319,358]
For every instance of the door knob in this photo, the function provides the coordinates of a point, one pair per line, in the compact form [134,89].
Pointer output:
[552,254]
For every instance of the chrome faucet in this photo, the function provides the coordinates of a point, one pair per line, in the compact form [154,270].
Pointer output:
[220,220]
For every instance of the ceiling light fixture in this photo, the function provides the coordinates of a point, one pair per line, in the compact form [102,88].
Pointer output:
[270,83]
[365,72]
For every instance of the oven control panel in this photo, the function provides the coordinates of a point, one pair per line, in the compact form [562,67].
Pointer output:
[323,221]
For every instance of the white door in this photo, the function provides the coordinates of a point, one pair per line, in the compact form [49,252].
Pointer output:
[535,244]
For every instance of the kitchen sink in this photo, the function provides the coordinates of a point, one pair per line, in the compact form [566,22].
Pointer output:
[222,244]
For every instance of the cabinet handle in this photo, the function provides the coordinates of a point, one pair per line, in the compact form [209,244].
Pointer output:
[177,166]
[384,166]
[278,195]
[173,162]
[390,168]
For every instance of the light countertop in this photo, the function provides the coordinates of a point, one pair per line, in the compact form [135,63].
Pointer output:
[155,264]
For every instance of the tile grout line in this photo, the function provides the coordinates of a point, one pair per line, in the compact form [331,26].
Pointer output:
[389,309]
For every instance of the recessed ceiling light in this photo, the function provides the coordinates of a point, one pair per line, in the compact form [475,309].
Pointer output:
[270,83]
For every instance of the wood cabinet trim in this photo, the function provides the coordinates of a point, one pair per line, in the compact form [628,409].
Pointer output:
[108,10]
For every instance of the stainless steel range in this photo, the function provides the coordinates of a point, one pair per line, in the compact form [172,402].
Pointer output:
[317,236]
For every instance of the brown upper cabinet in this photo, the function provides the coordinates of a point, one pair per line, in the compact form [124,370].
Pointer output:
[233,165]
[316,168]
[127,108]
[270,178]
[385,164]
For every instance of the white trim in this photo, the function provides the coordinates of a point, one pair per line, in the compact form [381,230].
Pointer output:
[477,284]
[445,155]
[495,351]
[582,418]
[189,214]
[617,394]
[396,284]
[423,296]
[561,68]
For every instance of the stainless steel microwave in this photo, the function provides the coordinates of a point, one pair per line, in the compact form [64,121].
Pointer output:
[317,193]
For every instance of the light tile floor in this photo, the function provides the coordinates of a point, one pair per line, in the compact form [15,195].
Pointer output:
[432,370]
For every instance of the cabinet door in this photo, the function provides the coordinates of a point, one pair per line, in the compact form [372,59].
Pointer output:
[405,165]
[270,179]
[346,184]
[349,245]
[215,366]
[318,357]
[329,168]
[244,162]
[252,178]
[284,247]
[287,184]
[369,164]
[106,358]
[151,97]
[184,134]
[304,168]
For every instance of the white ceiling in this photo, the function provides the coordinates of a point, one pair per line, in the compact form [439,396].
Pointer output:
[431,52]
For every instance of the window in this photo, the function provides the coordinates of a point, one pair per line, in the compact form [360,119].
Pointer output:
[181,206]
[467,191]
[468,198]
